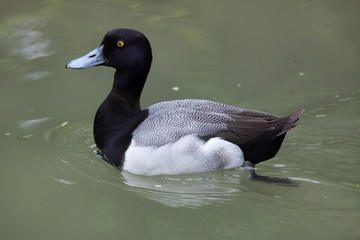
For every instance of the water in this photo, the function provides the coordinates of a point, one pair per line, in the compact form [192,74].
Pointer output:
[275,56]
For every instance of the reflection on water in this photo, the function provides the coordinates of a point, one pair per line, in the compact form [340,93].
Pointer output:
[33,76]
[63,181]
[27,40]
[28,123]
[304,179]
[184,191]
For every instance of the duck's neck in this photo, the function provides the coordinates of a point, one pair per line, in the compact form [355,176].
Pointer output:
[127,87]
[119,115]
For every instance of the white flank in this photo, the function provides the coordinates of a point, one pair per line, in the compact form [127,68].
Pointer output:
[189,154]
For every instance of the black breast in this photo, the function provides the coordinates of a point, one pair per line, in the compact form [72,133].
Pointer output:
[113,127]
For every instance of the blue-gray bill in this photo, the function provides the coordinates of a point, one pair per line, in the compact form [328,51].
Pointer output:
[93,58]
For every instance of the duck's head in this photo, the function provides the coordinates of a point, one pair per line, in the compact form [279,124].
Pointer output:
[121,49]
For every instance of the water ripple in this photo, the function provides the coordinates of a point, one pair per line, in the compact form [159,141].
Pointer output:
[27,40]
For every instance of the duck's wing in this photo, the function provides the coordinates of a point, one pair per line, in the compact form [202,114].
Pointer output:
[169,121]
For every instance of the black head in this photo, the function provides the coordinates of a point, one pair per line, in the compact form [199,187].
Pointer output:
[121,49]
[126,48]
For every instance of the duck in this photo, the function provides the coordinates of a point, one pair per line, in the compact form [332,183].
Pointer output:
[177,136]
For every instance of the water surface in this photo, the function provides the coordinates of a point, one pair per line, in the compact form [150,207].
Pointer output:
[275,56]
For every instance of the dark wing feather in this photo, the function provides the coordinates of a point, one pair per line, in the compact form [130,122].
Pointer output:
[259,136]
[247,125]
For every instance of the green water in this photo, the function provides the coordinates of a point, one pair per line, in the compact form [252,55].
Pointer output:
[275,56]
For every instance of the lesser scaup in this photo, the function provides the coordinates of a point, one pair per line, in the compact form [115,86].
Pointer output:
[173,137]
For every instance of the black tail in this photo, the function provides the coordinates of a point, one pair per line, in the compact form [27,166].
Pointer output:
[267,144]
[290,121]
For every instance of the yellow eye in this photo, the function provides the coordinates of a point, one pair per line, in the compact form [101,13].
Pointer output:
[120,43]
